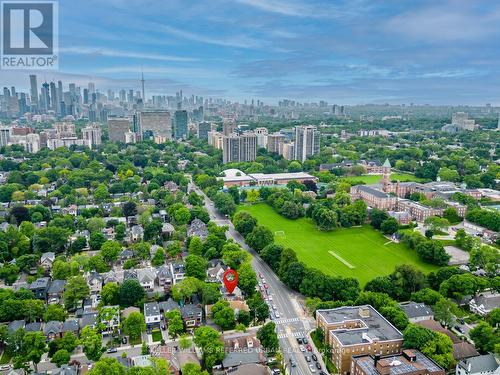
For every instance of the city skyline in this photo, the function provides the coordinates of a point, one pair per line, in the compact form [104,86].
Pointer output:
[352,52]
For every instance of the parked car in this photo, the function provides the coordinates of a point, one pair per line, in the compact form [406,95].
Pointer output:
[308,359]
[4,367]
[305,340]
[311,367]
[276,314]
[314,357]
[163,327]
[261,275]
[299,340]
[309,348]
[292,363]
[124,340]
[111,350]
[302,349]
[318,366]
[266,286]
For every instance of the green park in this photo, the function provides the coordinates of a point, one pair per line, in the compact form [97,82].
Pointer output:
[376,178]
[359,252]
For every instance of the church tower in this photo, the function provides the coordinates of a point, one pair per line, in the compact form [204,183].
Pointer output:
[386,176]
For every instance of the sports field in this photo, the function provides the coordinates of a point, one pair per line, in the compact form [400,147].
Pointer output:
[359,252]
[375,178]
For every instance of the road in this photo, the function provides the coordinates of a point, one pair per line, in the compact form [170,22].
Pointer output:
[293,321]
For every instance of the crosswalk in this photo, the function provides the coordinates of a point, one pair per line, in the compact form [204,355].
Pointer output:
[285,321]
[291,334]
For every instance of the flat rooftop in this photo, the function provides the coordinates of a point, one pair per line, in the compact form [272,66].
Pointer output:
[373,326]
[398,364]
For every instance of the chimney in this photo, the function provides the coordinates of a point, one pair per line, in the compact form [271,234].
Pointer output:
[364,311]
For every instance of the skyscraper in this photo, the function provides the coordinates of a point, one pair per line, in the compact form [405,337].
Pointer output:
[53,96]
[45,96]
[261,137]
[306,142]
[92,135]
[274,141]
[142,85]
[204,128]
[239,148]
[34,92]
[157,122]
[117,127]
[181,124]
[5,132]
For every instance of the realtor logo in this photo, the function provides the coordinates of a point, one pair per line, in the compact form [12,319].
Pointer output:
[29,35]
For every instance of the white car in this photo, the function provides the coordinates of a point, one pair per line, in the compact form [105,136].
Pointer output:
[4,367]
[311,367]
[274,307]
[302,348]
[270,298]
[277,314]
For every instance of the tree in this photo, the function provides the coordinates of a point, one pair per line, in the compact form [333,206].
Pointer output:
[210,293]
[193,369]
[34,343]
[233,255]
[158,258]
[389,226]
[223,315]
[224,203]
[208,340]
[20,214]
[61,357]
[408,279]
[433,252]
[134,325]
[55,312]
[259,238]
[76,289]
[61,270]
[247,280]
[195,246]
[458,286]
[484,337]
[244,223]
[271,254]
[186,288]
[415,336]
[268,338]
[175,323]
[436,223]
[101,193]
[110,250]
[443,312]
[129,209]
[108,366]
[131,293]
[95,224]
[440,350]
[485,257]
[325,218]
[377,217]
[91,342]
[96,240]
[196,266]
[253,196]
[50,239]
[395,315]
[110,294]
[451,215]
[428,296]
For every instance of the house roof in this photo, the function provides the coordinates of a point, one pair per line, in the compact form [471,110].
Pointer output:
[15,325]
[41,283]
[146,275]
[88,319]
[151,309]
[57,286]
[52,327]
[490,300]
[416,310]
[50,256]
[479,364]
[70,325]
[463,350]
[33,327]
[168,305]
[190,310]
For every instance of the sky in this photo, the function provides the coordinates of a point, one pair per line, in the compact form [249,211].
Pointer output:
[345,51]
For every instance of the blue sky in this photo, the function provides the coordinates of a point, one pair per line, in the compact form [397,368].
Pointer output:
[347,52]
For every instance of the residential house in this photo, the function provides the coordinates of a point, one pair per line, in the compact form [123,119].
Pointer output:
[197,228]
[241,349]
[70,210]
[479,365]
[46,260]
[165,277]
[108,319]
[40,287]
[216,273]
[168,305]
[125,255]
[484,302]
[192,315]
[167,229]
[52,330]
[94,281]
[55,291]
[152,315]
[178,270]
[137,233]
[146,277]
[88,319]
[65,370]
[416,312]
[70,325]
[15,325]
[33,327]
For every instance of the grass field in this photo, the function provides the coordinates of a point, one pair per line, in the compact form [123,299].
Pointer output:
[359,252]
[374,178]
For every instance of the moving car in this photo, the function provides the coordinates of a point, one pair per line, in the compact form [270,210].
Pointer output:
[277,314]
[111,350]
[292,363]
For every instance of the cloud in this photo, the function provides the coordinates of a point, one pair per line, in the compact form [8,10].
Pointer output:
[451,22]
[102,51]
[177,71]
[234,41]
